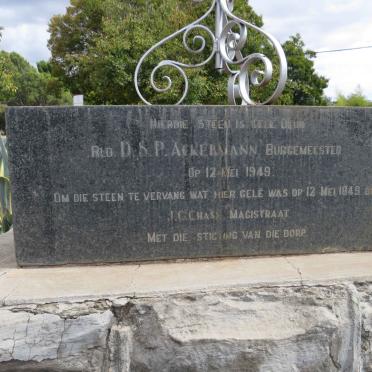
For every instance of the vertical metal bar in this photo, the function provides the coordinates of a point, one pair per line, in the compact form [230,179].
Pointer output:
[218,30]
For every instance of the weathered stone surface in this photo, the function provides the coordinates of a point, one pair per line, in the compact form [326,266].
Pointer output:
[307,328]
[104,184]
[365,290]
[50,337]
[304,329]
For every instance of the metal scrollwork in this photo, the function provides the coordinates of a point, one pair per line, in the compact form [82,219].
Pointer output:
[228,40]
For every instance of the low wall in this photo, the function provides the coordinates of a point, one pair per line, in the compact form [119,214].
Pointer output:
[282,314]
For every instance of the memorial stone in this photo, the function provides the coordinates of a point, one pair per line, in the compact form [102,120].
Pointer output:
[135,183]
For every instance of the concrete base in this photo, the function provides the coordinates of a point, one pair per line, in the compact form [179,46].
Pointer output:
[282,314]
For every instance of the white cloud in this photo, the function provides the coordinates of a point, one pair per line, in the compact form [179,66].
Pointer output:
[30,40]
[325,25]
[342,6]
[25,25]
[346,71]
[30,11]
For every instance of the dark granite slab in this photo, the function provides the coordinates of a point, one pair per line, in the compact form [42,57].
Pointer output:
[106,184]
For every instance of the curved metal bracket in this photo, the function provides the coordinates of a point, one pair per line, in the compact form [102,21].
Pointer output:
[227,49]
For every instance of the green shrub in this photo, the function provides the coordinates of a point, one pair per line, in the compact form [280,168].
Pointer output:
[6,215]
[2,120]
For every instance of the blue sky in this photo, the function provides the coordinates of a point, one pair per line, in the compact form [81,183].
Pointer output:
[323,24]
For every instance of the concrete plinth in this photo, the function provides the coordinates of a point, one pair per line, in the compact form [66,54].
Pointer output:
[282,314]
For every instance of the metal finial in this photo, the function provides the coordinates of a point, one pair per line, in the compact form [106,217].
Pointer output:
[227,51]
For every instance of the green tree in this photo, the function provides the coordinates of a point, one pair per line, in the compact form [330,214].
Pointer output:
[44,67]
[32,88]
[96,45]
[7,86]
[357,98]
[73,37]
[304,85]
[23,85]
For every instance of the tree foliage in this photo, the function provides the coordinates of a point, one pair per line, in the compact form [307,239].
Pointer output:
[29,86]
[7,86]
[23,85]
[304,86]
[96,46]
[357,99]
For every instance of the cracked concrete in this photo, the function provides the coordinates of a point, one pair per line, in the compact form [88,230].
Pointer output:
[295,268]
